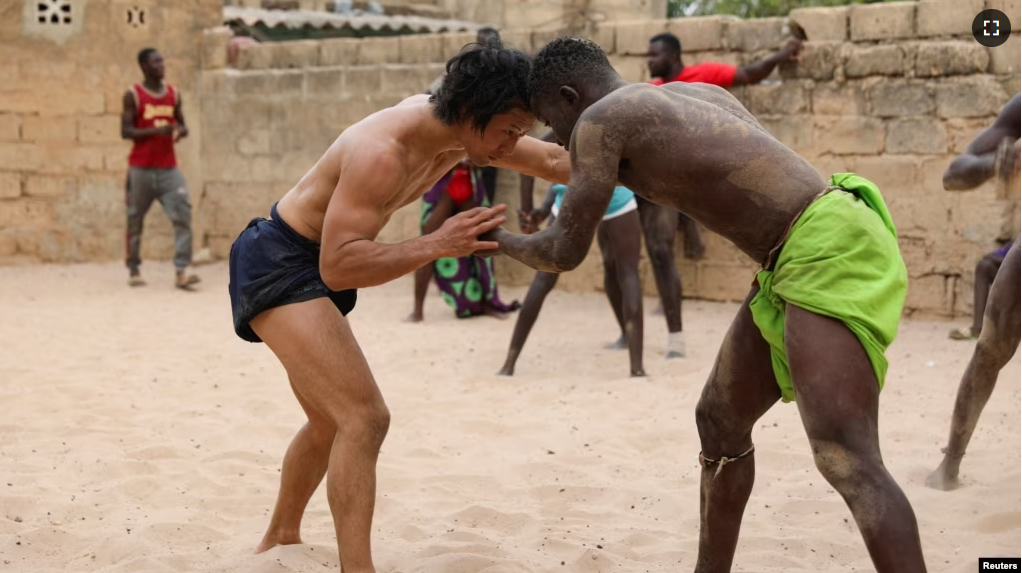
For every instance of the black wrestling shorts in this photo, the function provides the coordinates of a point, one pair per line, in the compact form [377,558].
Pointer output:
[272,265]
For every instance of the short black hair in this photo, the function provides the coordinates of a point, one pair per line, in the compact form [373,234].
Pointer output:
[143,55]
[487,34]
[668,39]
[567,61]
[480,82]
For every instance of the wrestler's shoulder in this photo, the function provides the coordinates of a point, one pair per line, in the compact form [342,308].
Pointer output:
[622,107]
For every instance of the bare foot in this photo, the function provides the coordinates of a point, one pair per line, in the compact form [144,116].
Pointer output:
[619,344]
[494,313]
[638,373]
[136,280]
[414,317]
[945,477]
[270,541]
[506,371]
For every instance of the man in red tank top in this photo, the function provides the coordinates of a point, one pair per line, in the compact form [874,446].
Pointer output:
[659,224]
[152,119]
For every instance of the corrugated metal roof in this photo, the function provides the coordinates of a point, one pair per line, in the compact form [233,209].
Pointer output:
[294,19]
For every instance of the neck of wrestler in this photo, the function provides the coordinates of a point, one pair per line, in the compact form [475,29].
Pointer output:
[442,137]
[675,70]
[593,92]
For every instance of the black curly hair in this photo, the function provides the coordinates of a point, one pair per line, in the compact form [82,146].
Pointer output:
[567,61]
[482,81]
[143,55]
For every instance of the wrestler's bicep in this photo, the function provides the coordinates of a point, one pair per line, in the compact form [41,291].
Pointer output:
[538,158]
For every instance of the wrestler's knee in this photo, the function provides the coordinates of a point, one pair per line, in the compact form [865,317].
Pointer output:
[367,423]
[997,343]
[842,467]
[719,433]
[661,255]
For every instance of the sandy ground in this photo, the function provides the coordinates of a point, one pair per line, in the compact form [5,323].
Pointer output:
[139,434]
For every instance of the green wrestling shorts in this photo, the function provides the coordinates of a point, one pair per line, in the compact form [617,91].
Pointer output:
[840,259]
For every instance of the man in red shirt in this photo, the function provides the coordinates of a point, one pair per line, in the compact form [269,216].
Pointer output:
[152,119]
[659,224]
[664,62]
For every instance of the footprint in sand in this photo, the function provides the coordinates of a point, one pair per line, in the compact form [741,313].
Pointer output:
[463,562]
[487,518]
[999,522]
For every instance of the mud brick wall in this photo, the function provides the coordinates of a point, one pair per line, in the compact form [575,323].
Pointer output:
[892,91]
[62,161]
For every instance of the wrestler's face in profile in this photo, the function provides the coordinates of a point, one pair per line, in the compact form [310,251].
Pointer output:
[559,112]
[500,137]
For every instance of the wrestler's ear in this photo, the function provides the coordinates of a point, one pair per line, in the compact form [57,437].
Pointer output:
[569,94]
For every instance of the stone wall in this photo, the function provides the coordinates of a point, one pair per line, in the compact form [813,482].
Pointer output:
[62,80]
[892,91]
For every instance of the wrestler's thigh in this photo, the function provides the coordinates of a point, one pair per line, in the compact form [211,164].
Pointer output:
[1002,311]
[742,386]
[835,387]
[624,238]
[314,343]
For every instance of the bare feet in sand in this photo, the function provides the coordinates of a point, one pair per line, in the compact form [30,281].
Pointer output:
[272,540]
[500,314]
[414,317]
[506,371]
[945,477]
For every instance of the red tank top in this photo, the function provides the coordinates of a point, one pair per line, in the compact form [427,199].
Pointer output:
[155,151]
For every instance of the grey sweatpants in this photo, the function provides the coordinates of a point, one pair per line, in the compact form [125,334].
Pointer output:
[168,187]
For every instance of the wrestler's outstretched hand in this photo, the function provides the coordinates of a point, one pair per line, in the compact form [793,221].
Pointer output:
[459,236]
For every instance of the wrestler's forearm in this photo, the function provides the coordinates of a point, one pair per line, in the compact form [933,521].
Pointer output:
[364,263]
[540,251]
[968,172]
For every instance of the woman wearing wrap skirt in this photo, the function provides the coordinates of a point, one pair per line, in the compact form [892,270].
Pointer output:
[467,284]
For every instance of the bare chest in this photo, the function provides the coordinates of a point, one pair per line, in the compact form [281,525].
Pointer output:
[421,179]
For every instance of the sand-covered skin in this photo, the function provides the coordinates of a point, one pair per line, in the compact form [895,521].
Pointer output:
[138,434]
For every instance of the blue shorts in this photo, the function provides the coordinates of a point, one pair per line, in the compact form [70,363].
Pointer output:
[621,202]
[272,265]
